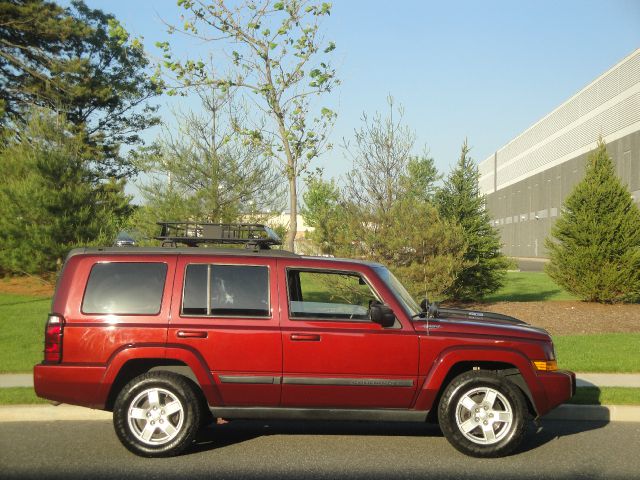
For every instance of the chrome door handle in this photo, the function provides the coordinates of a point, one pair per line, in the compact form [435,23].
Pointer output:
[305,337]
[191,334]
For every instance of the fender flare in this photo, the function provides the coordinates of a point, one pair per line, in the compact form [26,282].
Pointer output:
[448,358]
[191,358]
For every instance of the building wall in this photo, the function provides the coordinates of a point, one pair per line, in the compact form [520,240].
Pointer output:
[527,180]
[525,211]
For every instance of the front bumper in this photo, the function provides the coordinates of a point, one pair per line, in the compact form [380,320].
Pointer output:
[558,386]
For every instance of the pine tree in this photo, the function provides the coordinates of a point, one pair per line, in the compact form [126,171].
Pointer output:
[49,203]
[82,62]
[460,200]
[595,244]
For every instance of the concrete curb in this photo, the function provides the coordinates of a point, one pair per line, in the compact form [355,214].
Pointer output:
[595,413]
[50,413]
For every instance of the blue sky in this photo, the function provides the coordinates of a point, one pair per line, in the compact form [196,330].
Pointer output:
[485,70]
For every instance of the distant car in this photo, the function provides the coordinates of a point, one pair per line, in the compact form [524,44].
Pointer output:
[168,338]
[124,240]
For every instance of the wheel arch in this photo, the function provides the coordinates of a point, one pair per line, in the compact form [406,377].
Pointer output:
[133,362]
[507,363]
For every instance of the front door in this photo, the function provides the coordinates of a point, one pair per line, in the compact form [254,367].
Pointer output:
[333,354]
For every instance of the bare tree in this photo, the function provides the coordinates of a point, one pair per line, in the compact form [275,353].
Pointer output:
[381,153]
[276,56]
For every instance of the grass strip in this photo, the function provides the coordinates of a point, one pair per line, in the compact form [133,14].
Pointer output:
[19,396]
[607,352]
[606,396]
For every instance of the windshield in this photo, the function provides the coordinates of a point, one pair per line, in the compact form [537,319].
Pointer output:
[399,291]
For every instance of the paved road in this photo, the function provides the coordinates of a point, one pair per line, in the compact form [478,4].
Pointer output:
[256,450]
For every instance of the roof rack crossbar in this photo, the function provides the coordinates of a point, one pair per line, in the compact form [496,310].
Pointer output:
[195,233]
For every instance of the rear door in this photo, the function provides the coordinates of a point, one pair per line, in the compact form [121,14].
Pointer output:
[334,355]
[225,312]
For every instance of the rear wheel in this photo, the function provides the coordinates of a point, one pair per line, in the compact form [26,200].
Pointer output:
[157,414]
[482,414]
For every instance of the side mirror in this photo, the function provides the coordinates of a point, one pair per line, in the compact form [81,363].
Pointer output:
[382,314]
[424,304]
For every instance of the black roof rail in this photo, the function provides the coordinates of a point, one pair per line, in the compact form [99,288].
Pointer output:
[192,234]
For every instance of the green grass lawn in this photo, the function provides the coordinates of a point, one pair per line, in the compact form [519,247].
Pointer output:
[19,396]
[529,287]
[22,321]
[608,352]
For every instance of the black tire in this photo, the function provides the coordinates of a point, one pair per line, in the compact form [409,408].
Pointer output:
[493,425]
[157,414]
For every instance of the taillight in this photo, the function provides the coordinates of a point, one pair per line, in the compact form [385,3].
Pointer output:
[53,338]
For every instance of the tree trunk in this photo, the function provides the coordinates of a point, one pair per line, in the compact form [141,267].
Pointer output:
[293,209]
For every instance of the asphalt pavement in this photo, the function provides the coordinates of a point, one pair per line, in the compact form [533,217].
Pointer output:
[320,450]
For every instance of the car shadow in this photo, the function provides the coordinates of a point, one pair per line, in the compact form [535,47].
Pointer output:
[238,431]
[235,432]
[545,431]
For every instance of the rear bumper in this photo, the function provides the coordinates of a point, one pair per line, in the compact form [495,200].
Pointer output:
[76,385]
[559,386]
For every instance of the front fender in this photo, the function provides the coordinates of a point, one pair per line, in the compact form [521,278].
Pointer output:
[450,357]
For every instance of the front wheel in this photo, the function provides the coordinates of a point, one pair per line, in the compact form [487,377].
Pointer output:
[483,414]
[157,414]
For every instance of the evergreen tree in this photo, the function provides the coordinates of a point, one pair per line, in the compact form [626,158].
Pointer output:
[595,244]
[323,211]
[82,62]
[389,211]
[49,202]
[460,200]
[204,172]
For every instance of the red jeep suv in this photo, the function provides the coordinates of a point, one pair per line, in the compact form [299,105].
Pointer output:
[168,338]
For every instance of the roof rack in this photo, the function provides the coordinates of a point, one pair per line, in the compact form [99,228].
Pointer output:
[252,235]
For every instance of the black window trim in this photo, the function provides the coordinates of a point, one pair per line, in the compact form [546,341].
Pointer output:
[164,287]
[209,265]
[352,273]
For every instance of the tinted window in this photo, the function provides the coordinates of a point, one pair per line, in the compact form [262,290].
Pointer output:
[195,290]
[330,295]
[234,290]
[125,288]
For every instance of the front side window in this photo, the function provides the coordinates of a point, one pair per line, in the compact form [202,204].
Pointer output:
[125,288]
[330,295]
[226,290]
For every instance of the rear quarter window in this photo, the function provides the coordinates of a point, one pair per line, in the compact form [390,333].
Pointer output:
[125,288]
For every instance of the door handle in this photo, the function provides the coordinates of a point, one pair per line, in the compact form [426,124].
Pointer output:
[305,337]
[191,334]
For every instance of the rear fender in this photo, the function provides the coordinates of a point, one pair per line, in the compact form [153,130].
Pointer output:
[186,356]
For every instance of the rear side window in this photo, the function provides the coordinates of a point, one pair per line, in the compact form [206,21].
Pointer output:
[125,288]
[226,290]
